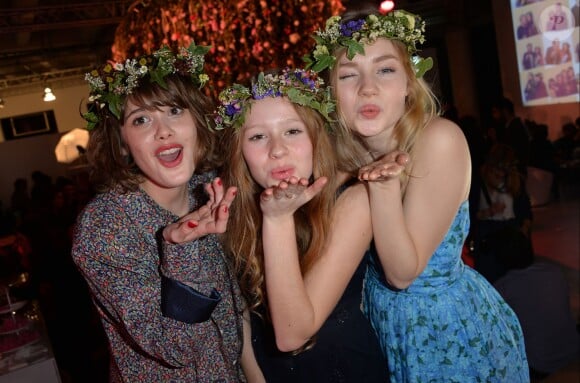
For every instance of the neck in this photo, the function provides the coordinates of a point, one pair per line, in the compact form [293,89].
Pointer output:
[176,200]
[378,146]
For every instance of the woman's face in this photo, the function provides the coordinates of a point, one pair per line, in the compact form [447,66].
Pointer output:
[371,89]
[163,143]
[275,142]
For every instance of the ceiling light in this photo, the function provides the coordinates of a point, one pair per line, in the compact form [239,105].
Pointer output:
[48,95]
[1,103]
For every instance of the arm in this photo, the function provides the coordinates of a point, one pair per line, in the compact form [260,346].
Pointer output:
[119,260]
[248,360]
[407,232]
[299,305]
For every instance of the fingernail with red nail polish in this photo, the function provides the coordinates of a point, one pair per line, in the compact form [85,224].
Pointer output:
[225,209]
[218,181]
[191,224]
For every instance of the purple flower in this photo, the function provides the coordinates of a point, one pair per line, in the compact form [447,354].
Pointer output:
[232,109]
[350,27]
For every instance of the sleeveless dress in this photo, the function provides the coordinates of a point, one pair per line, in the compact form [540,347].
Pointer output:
[346,349]
[449,325]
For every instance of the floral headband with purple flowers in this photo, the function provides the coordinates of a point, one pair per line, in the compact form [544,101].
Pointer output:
[111,84]
[300,86]
[353,35]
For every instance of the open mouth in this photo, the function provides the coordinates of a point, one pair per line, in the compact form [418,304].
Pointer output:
[170,155]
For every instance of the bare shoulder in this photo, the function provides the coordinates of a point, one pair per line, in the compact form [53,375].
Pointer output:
[352,197]
[442,129]
[442,137]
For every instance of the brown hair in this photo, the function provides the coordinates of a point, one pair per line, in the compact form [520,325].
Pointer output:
[243,240]
[111,164]
[503,157]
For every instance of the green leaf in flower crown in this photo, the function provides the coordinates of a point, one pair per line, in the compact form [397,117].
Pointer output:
[307,61]
[422,65]
[158,75]
[92,120]
[353,47]
[198,49]
[326,61]
[114,101]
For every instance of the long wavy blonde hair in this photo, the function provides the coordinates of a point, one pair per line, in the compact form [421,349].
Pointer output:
[243,239]
[421,106]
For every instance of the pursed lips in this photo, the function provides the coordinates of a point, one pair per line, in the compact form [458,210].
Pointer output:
[369,111]
[282,173]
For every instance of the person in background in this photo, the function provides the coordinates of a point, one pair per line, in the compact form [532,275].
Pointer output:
[542,152]
[298,232]
[537,290]
[502,201]
[565,144]
[437,320]
[516,135]
[146,244]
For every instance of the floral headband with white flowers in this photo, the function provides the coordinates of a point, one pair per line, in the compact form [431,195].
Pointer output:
[302,87]
[113,82]
[397,25]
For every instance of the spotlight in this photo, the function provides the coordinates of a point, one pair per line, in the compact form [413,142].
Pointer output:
[1,103]
[386,6]
[48,95]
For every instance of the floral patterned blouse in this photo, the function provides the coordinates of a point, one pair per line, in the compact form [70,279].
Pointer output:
[153,297]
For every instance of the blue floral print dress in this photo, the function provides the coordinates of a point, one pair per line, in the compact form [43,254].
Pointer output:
[449,325]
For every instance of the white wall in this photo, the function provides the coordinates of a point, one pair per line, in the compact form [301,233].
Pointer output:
[20,157]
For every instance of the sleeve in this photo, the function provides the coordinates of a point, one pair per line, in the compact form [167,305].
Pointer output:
[180,300]
[121,267]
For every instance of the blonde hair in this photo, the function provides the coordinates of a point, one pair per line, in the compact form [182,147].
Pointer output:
[243,239]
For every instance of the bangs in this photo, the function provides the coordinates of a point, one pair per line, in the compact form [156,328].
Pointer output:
[152,95]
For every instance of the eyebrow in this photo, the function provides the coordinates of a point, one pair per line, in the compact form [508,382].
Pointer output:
[350,63]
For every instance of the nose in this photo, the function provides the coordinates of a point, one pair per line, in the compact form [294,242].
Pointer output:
[368,86]
[163,130]
[277,147]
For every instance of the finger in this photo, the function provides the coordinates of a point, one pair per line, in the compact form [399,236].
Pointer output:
[279,193]
[293,180]
[403,158]
[316,187]
[210,193]
[267,194]
[218,188]
[221,222]
[229,195]
[181,232]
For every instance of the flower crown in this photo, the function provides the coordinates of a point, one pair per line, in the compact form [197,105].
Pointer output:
[352,35]
[302,87]
[113,82]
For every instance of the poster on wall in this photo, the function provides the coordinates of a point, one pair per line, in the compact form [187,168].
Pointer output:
[547,39]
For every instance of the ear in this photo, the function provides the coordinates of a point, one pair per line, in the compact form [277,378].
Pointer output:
[124,151]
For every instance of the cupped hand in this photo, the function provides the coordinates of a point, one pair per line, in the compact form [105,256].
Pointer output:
[388,167]
[289,195]
[210,218]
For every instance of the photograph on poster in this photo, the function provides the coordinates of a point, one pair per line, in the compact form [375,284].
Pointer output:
[546,33]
